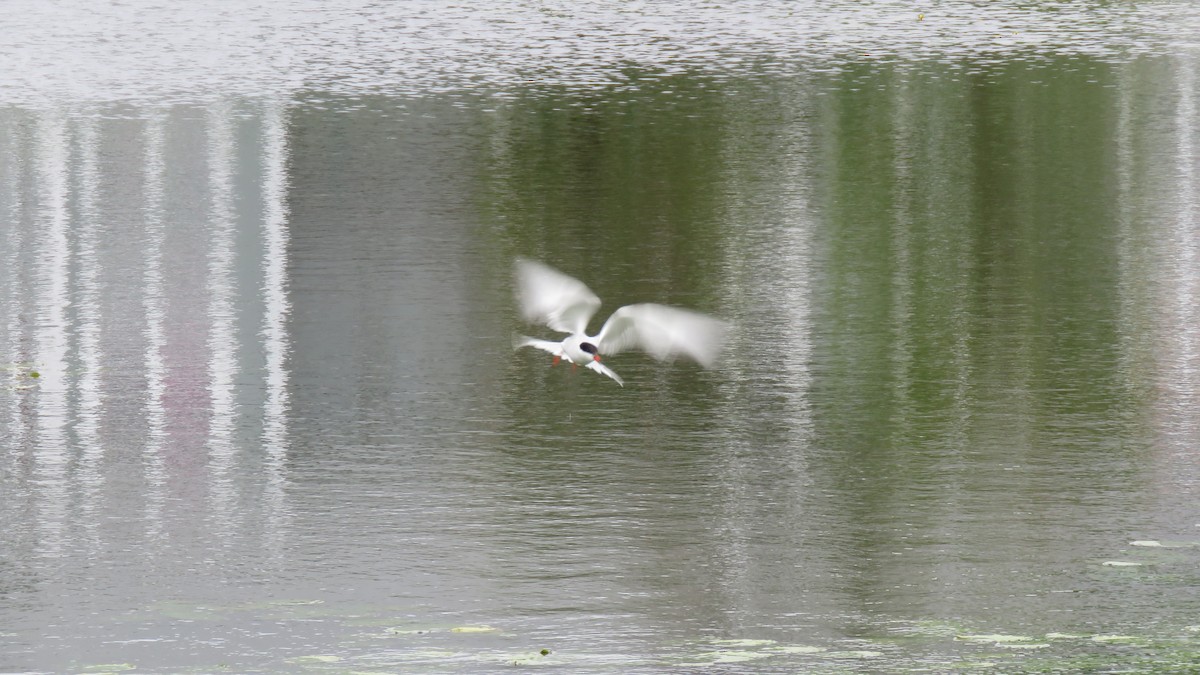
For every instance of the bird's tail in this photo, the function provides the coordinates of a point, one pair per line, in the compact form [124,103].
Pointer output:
[605,370]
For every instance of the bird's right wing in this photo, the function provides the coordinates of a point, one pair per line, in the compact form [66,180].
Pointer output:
[552,298]
[664,333]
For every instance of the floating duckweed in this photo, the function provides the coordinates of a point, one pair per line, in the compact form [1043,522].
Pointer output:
[316,658]
[1022,645]
[1066,636]
[406,631]
[723,656]
[34,374]
[994,638]
[1154,543]
[858,654]
[734,656]
[1114,638]
[795,649]
[473,629]
[398,630]
[529,659]
[743,643]
[738,650]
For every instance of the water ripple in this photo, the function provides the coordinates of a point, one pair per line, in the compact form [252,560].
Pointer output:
[147,50]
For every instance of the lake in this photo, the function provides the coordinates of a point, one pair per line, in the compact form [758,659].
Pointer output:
[260,410]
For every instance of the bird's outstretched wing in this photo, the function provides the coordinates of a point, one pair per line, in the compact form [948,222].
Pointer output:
[664,333]
[604,370]
[554,348]
[552,298]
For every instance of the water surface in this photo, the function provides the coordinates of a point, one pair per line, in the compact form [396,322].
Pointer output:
[260,410]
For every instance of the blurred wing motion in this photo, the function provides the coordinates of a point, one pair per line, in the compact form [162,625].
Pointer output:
[664,333]
[550,297]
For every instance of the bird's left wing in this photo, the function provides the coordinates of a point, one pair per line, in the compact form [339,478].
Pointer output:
[553,298]
[664,333]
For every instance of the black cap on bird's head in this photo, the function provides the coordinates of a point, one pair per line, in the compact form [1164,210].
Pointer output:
[591,349]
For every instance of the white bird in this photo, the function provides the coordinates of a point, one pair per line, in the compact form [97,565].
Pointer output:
[565,304]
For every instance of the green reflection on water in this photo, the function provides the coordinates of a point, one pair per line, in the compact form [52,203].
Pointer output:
[937,275]
[946,395]
[622,190]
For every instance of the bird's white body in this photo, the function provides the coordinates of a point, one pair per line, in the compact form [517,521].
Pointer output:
[572,351]
[565,304]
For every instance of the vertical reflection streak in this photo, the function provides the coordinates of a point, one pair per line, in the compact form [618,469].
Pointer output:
[89,318]
[275,316]
[775,254]
[154,332]
[1187,222]
[1174,353]
[222,349]
[12,169]
[1185,324]
[53,270]
[1125,231]
[902,274]
[1137,247]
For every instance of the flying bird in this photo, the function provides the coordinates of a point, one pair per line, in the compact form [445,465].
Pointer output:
[564,304]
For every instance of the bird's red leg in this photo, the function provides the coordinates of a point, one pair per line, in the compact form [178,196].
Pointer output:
[555,361]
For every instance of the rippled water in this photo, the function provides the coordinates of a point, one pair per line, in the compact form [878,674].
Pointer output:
[149,52]
[259,410]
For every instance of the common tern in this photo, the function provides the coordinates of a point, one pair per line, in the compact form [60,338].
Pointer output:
[565,304]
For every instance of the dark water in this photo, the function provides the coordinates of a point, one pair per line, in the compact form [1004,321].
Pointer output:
[260,412]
